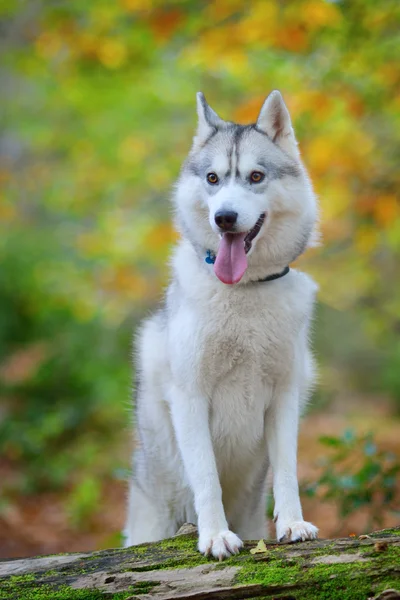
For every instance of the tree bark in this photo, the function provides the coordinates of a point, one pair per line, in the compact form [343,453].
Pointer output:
[347,568]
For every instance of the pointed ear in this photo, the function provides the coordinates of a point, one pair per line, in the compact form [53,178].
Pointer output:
[274,120]
[208,119]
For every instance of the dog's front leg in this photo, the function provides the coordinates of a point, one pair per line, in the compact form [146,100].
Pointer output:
[190,417]
[282,429]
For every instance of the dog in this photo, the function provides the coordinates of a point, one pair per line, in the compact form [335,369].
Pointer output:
[224,366]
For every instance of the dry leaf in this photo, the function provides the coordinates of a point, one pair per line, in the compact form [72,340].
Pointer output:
[261,547]
[381,546]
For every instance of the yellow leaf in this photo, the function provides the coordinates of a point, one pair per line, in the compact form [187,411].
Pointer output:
[366,239]
[133,150]
[7,210]
[112,53]
[161,236]
[218,11]
[261,23]
[137,5]
[260,548]
[319,153]
[319,14]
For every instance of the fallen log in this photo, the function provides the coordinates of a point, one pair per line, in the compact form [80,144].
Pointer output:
[346,568]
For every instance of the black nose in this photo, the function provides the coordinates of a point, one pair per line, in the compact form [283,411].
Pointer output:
[226,219]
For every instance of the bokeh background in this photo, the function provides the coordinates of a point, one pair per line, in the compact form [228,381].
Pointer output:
[97,114]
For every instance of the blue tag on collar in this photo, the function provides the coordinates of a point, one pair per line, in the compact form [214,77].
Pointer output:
[210,258]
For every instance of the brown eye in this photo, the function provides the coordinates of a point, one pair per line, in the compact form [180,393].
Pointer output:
[256,177]
[212,178]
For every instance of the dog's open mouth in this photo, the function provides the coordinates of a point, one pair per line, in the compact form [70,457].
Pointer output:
[253,233]
[231,261]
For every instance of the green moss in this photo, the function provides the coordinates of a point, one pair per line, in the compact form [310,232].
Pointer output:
[167,554]
[392,553]
[50,573]
[386,532]
[281,566]
[143,587]
[26,587]
[322,581]
[346,581]
[19,588]
[15,586]
[267,573]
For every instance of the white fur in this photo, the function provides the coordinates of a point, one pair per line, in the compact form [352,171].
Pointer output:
[225,370]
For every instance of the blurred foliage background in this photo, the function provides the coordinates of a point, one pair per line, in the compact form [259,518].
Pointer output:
[97,114]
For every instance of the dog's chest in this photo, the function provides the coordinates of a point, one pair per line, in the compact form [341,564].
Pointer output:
[245,346]
[238,339]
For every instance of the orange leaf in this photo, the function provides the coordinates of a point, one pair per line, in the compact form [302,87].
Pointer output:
[386,210]
[164,23]
[248,111]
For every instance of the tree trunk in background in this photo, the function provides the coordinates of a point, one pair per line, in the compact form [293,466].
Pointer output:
[347,568]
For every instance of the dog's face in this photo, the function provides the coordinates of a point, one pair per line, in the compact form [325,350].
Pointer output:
[243,190]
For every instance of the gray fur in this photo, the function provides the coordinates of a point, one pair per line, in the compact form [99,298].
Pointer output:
[229,140]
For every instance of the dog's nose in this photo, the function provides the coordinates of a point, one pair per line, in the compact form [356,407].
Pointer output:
[226,219]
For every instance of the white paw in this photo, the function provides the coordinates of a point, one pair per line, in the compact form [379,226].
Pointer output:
[295,531]
[220,545]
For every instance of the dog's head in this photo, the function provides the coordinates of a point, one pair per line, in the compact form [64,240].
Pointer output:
[244,194]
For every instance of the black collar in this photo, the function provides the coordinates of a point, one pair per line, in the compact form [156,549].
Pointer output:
[274,276]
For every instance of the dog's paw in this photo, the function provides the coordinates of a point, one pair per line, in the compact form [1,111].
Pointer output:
[295,531]
[220,545]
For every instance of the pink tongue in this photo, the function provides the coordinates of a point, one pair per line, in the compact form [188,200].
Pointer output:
[231,261]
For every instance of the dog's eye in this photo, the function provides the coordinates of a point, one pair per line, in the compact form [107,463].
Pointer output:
[212,178]
[256,177]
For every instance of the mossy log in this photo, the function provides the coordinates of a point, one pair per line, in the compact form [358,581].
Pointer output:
[347,568]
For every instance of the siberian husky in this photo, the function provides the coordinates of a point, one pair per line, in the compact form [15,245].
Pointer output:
[224,367]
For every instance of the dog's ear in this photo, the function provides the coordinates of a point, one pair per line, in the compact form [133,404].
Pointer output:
[209,121]
[274,120]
